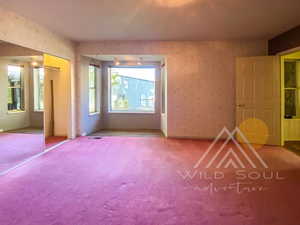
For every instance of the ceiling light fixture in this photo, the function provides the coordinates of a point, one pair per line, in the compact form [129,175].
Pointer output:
[34,63]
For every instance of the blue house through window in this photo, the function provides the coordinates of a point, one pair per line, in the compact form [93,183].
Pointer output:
[132,89]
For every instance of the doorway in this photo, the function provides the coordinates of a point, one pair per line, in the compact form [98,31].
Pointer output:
[51,76]
[290,83]
[57,99]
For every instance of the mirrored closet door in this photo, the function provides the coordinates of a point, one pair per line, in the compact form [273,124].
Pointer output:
[21,104]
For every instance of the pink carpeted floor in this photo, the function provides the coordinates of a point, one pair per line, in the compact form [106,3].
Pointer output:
[16,147]
[137,181]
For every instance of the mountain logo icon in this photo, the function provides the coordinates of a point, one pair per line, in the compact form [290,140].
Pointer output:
[226,156]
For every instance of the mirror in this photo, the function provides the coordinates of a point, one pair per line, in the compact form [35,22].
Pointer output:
[21,104]
[33,103]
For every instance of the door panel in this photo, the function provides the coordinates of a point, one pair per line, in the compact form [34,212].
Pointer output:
[258,95]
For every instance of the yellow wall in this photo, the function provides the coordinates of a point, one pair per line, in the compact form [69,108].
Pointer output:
[62,94]
[293,55]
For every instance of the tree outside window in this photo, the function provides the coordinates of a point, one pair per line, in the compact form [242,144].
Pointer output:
[15,96]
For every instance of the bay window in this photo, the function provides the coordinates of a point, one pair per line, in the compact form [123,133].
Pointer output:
[132,89]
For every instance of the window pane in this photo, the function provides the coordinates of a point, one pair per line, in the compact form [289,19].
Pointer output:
[14,76]
[132,89]
[290,103]
[92,100]
[92,76]
[38,76]
[290,75]
[15,95]
[93,89]
[41,89]
[15,101]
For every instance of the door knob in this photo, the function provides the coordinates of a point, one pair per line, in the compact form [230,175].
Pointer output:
[241,105]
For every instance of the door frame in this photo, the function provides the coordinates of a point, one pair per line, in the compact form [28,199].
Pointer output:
[281,57]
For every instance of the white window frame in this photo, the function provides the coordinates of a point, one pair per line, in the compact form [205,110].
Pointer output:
[97,87]
[110,110]
[36,87]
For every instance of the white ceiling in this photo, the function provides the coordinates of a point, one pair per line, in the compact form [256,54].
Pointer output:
[128,58]
[88,20]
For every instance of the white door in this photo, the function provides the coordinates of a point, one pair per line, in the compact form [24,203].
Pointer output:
[258,99]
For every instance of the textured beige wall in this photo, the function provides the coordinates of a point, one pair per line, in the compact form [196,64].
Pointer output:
[18,30]
[201,86]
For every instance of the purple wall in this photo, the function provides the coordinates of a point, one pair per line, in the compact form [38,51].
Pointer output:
[285,41]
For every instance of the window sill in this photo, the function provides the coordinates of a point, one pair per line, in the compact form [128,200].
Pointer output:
[38,111]
[293,118]
[94,113]
[130,112]
[15,112]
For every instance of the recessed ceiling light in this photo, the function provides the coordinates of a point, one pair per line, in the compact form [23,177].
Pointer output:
[34,63]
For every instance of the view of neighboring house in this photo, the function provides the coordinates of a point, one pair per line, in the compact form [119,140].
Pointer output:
[132,94]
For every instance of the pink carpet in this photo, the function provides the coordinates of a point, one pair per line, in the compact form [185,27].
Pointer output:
[135,181]
[15,147]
